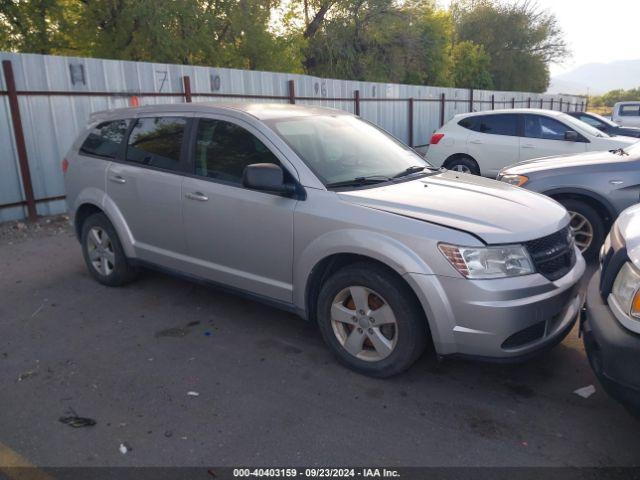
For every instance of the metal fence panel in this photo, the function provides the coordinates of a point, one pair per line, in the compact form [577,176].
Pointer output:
[51,121]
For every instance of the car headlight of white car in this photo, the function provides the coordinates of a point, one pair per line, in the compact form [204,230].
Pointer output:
[626,291]
[488,262]
[516,180]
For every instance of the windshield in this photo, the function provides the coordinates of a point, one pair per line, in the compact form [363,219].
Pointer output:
[342,148]
[582,126]
[604,120]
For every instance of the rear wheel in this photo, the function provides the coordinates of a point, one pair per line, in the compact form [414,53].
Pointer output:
[587,227]
[103,252]
[371,321]
[463,164]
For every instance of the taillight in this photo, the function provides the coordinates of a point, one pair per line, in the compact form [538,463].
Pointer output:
[435,138]
[65,165]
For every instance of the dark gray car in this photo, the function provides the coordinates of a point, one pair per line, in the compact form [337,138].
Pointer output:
[594,187]
[605,125]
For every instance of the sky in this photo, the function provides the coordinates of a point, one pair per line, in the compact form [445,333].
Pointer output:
[597,31]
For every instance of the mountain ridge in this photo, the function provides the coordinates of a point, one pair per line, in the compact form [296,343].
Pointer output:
[597,78]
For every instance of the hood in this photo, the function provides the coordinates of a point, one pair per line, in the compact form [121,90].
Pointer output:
[494,211]
[562,161]
[619,141]
[628,225]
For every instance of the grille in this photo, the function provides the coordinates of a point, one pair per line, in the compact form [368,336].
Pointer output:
[553,255]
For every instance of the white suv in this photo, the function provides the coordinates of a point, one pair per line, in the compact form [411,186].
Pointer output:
[626,114]
[485,142]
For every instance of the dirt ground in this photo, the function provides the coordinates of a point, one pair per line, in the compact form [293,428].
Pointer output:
[264,389]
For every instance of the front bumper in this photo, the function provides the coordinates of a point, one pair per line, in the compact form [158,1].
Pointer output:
[503,319]
[613,351]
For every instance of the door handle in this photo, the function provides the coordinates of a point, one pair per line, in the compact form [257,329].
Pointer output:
[477,142]
[117,179]
[616,182]
[528,145]
[200,197]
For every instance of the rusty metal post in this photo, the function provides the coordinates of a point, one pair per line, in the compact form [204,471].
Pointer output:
[356,101]
[18,133]
[552,103]
[410,113]
[292,92]
[442,107]
[471,100]
[560,105]
[513,103]
[529,103]
[186,81]
[541,102]
[493,102]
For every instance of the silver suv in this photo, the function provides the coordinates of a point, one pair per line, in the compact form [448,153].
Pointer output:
[323,214]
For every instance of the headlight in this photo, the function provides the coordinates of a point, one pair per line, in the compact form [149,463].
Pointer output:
[488,262]
[626,290]
[516,180]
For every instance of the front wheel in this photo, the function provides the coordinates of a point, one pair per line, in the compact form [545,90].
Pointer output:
[371,320]
[587,227]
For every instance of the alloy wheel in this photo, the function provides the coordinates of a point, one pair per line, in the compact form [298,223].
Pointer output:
[582,231]
[364,323]
[100,251]
[461,168]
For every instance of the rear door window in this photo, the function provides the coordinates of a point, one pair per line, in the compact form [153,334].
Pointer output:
[157,142]
[499,124]
[591,121]
[105,139]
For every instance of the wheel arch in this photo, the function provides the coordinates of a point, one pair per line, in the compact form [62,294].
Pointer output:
[596,201]
[91,202]
[330,264]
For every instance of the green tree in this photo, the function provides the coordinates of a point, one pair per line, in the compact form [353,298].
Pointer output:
[380,40]
[471,66]
[610,98]
[39,26]
[520,38]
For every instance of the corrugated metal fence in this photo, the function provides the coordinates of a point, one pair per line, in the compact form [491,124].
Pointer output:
[46,100]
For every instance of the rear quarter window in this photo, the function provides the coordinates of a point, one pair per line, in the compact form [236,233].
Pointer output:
[105,139]
[468,123]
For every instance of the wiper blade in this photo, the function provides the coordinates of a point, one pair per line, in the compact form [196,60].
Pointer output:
[620,151]
[368,180]
[410,170]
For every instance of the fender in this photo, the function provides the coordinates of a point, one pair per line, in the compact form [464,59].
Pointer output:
[100,199]
[585,193]
[387,250]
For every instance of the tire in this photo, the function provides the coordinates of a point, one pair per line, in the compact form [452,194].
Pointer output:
[108,265]
[397,345]
[580,211]
[463,164]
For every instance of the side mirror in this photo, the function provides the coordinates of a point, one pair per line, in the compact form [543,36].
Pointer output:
[267,177]
[571,136]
